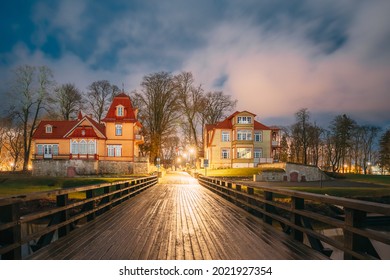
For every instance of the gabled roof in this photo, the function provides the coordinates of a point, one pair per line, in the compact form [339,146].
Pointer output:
[227,123]
[68,129]
[95,129]
[59,129]
[128,112]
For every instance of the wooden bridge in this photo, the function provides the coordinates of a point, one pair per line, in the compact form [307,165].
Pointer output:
[174,219]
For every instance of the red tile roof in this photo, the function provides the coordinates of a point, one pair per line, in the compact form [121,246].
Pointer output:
[129,112]
[59,129]
[69,129]
[227,123]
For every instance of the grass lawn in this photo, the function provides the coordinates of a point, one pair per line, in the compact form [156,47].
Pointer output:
[19,184]
[231,172]
[342,188]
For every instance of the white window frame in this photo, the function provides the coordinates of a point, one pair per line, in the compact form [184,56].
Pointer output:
[244,135]
[225,136]
[114,150]
[225,153]
[118,130]
[92,147]
[49,129]
[47,150]
[258,136]
[83,147]
[74,147]
[258,153]
[244,120]
[120,111]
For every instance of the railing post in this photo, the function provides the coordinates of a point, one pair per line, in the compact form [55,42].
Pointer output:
[62,200]
[91,205]
[10,213]
[297,204]
[353,241]
[267,208]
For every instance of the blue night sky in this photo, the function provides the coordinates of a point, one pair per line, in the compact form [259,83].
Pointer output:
[274,57]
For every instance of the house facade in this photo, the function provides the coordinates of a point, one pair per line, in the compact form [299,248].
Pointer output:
[84,146]
[240,141]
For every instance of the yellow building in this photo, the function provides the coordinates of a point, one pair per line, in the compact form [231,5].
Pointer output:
[240,141]
[83,146]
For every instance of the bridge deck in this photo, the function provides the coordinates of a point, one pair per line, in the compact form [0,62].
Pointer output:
[174,220]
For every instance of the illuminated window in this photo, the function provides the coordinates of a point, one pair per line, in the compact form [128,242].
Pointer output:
[244,153]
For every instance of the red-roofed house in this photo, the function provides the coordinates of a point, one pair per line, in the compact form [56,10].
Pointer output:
[240,141]
[88,147]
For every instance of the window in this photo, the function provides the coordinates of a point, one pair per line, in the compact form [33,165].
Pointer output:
[40,150]
[244,153]
[48,129]
[47,150]
[91,147]
[244,135]
[119,111]
[225,153]
[258,153]
[74,149]
[225,136]
[258,136]
[244,120]
[114,150]
[118,130]
[83,147]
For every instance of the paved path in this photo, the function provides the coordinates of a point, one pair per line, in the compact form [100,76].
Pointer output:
[174,220]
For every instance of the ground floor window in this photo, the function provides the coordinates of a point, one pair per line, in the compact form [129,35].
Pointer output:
[225,153]
[114,150]
[258,153]
[83,147]
[244,153]
[47,150]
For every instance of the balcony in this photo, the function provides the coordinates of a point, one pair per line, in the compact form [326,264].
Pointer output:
[139,139]
[65,156]
[275,143]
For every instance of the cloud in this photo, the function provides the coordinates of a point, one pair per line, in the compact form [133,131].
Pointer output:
[274,74]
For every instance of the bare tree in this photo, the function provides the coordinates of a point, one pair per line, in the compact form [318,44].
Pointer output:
[159,110]
[32,88]
[368,136]
[69,100]
[191,102]
[384,151]
[14,137]
[339,140]
[99,96]
[216,107]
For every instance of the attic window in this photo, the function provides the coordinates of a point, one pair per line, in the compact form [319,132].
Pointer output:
[119,111]
[49,129]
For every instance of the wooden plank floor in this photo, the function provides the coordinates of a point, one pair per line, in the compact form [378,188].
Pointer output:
[175,220]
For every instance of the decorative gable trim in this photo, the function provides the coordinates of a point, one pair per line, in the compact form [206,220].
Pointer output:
[97,131]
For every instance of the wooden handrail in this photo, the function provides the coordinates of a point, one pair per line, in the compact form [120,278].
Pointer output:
[298,222]
[63,216]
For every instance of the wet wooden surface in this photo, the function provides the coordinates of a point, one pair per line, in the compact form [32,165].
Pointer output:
[175,220]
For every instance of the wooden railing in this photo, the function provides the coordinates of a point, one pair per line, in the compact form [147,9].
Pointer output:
[66,210]
[306,216]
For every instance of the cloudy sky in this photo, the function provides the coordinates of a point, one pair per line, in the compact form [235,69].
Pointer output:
[274,57]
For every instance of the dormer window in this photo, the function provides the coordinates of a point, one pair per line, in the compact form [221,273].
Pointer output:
[49,129]
[244,120]
[119,111]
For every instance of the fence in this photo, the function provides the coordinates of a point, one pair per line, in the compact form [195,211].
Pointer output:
[64,211]
[306,216]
